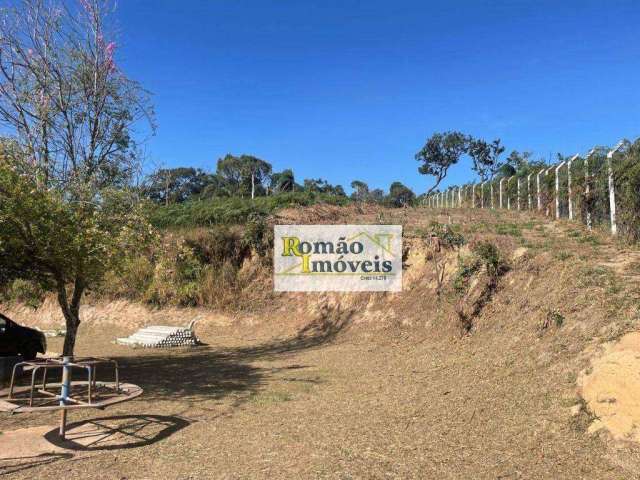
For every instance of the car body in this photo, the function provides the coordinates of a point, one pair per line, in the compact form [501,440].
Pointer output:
[18,340]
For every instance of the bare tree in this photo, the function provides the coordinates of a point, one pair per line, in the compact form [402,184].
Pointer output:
[70,107]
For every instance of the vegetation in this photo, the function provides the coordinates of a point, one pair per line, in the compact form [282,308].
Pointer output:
[65,213]
[233,210]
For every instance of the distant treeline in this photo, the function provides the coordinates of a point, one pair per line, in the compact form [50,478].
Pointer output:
[244,185]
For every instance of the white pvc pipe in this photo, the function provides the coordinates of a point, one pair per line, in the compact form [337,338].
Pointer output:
[569,191]
[612,190]
[529,190]
[538,184]
[558,189]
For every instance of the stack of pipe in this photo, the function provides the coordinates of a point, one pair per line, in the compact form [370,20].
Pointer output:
[158,336]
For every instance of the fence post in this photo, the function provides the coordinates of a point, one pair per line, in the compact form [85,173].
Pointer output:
[482,195]
[459,198]
[518,194]
[473,195]
[558,189]
[529,191]
[569,192]
[501,204]
[612,190]
[538,183]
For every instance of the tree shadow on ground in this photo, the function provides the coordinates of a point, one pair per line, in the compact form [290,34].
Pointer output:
[321,331]
[206,373]
[19,464]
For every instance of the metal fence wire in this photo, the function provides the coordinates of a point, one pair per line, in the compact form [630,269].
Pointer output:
[600,190]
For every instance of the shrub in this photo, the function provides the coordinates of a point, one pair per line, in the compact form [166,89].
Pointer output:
[466,268]
[508,229]
[448,237]
[131,280]
[218,245]
[489,255]
[25,292]
[257,235]
[176,277]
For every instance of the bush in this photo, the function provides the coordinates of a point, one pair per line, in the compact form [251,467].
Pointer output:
[131,280]
[466,268]
[217,246]
[25,292]
[489,255]
[448,237]
[257,235]
[176,277]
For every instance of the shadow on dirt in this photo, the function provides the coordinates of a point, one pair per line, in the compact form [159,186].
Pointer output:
[319,332]
[117,432]
[205,373]
[14,465]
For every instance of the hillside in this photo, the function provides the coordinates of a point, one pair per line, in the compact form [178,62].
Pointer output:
[481,380]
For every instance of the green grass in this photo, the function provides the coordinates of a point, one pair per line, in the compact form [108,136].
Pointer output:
[508,229]
[589,239]
[562,255]
[270,398]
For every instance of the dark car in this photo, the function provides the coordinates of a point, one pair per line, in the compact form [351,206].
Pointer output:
[16,339]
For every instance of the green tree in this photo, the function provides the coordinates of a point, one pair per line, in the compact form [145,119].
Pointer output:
[63,245]
[257,170]
[376,195]
[283,181]
[320,185]
[360,191]
[441,152]
[244,174]
[400,195]
[175,185]
[486,157]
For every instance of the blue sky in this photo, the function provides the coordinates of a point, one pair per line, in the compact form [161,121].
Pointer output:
[349,90]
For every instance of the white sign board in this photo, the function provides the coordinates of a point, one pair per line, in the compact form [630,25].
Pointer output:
[337,258]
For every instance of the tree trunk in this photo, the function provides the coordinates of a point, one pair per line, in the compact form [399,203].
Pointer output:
[253,185]
[71,312]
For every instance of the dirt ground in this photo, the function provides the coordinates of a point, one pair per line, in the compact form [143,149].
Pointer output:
[391,390]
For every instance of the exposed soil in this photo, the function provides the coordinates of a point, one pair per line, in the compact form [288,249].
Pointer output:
[372,385]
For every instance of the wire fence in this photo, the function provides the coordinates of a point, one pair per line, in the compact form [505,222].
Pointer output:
[601,189]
